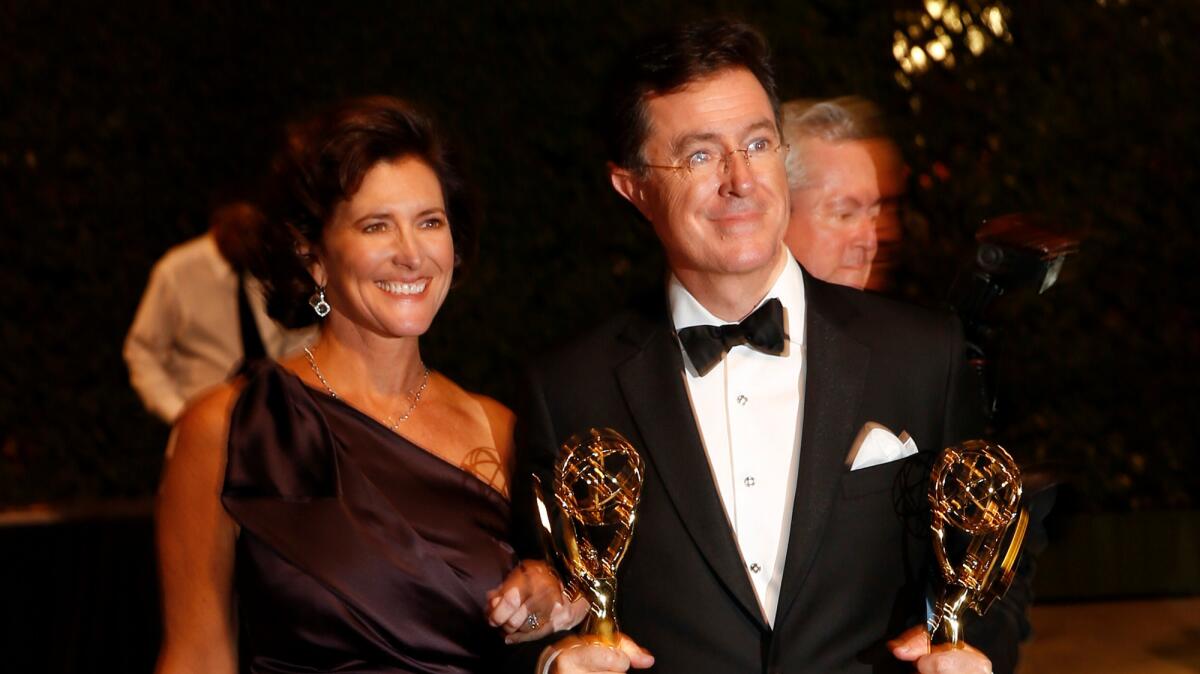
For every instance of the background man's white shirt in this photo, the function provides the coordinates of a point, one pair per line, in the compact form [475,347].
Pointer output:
[186,335]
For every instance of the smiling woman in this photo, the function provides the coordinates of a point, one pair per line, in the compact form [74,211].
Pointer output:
[328,158]
[353,501]
[387,258]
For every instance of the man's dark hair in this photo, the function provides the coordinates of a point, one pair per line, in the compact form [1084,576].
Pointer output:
[322,163]
[666,62]
[235,226]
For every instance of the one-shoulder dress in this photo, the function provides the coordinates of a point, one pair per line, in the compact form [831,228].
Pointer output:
[359,551]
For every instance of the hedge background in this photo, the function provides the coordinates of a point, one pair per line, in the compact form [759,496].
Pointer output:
[119,123]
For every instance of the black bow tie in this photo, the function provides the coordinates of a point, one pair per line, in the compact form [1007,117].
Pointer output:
[763,330]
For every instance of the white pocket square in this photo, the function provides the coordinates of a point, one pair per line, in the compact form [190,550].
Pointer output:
[877,445]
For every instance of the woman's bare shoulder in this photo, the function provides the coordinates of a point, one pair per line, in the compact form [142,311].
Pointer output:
[201,432]
[211,409]
[494,413]
[483,411]
[497,413]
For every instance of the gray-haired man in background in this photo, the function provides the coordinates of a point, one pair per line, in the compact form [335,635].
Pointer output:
[843,174]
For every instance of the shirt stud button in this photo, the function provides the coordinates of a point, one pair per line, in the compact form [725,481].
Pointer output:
[749,482]
[742,400]
[755,568]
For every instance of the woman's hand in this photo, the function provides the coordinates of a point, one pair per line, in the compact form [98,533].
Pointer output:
[530,604]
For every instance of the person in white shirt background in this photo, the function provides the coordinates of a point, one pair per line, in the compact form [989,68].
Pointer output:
[188,334]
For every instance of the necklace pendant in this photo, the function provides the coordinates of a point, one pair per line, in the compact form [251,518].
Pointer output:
[414,396]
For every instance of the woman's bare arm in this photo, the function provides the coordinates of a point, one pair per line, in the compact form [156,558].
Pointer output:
[195,539]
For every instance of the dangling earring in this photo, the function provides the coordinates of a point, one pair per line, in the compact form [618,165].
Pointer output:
[318,303]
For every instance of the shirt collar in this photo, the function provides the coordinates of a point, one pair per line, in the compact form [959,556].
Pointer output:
[687,311]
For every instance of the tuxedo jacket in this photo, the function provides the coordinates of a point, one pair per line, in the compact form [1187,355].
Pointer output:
[858,562]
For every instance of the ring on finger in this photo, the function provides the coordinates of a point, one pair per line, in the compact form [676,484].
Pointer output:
[532,622]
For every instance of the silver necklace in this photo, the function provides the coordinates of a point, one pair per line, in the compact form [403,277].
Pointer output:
[414,396]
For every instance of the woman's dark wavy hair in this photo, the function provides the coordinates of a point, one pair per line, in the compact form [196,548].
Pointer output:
[322,163]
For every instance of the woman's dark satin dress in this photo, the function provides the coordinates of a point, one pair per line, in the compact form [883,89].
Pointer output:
[359,551]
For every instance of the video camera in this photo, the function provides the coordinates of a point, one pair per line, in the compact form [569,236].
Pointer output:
[1014,250]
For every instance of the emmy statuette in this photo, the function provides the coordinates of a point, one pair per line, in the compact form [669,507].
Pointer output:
[974,498]
[596,488]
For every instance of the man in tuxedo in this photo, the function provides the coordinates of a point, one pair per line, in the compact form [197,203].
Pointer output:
[757,548]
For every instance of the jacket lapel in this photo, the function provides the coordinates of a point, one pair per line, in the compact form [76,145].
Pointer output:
[836,369]
[652,383]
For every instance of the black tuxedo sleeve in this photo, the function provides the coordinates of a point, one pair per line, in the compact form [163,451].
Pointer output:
[522,658]
[998,633]
[964,416]
[536,452]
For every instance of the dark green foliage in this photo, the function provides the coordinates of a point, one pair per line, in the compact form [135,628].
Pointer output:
[118,124]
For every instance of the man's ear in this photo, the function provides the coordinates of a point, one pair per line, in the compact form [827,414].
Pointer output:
[630,185]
